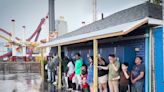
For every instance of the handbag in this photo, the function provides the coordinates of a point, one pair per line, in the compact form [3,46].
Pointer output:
[71,76]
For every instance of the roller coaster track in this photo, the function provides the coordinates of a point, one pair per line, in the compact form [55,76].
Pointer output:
[36,33]
[5,38]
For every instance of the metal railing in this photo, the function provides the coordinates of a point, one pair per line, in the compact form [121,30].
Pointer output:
[20,67]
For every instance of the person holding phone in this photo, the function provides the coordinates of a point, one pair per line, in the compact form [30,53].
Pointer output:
[102,75]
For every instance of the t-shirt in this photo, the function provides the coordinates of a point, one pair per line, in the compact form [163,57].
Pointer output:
[78,65]
[136,71]
[51,65]
[84,79]
[123,80]
[112,73]
[102,72]
[71,68]
[56,61]
[64,65]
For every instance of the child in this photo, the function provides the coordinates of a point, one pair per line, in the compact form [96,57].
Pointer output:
[124,77]
[85,86]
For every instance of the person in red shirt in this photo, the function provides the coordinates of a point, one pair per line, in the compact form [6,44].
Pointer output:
[85,86]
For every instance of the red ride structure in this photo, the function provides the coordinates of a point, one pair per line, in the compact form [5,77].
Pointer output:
[35,34]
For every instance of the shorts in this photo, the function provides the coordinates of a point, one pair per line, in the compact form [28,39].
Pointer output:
[103,79]
[77,79]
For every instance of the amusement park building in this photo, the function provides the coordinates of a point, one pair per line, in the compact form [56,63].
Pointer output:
[136,31]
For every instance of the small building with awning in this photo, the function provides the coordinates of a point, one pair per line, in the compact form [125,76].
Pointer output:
[136,31]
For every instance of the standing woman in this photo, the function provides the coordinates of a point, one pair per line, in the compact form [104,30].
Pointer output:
[70,74]
[102,75]
[90,73]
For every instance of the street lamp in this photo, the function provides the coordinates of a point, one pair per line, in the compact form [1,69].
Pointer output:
[13,30]
[13,40]
[24,30]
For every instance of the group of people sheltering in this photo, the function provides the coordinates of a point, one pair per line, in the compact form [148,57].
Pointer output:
[114,76]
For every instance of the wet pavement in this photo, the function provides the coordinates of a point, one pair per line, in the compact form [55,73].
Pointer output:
[24,82]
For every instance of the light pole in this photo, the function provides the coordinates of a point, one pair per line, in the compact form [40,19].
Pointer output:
[24,40]
[13,30]
[23,35]
[13,37]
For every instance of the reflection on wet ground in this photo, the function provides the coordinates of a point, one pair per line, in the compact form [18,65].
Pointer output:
[24,82]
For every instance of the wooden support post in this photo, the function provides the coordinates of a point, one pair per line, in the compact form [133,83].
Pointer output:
[60,72]
[95,55]
[42,64]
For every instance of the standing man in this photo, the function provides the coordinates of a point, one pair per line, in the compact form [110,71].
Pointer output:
[51,69]
[113,75]
[78,65]
[137,75]
[56,65]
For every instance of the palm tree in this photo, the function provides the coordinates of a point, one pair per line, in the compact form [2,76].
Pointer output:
[158,2]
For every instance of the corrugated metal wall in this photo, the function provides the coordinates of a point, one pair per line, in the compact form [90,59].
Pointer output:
[109,48]
[159,63]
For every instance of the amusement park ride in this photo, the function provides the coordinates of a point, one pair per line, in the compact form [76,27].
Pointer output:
[19,44]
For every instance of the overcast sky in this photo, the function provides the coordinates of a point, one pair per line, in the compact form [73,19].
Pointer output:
[30,12]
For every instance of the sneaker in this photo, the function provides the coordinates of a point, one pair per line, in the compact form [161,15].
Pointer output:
[48,80]
[54,83]
[69,89]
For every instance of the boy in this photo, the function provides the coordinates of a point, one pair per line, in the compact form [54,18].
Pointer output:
[85,86]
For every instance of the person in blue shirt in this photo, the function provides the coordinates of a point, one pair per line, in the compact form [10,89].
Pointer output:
[90,73]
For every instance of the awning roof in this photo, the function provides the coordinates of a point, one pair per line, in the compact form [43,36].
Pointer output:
[118,30]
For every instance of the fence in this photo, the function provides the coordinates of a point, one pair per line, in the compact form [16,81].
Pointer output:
[20,67]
